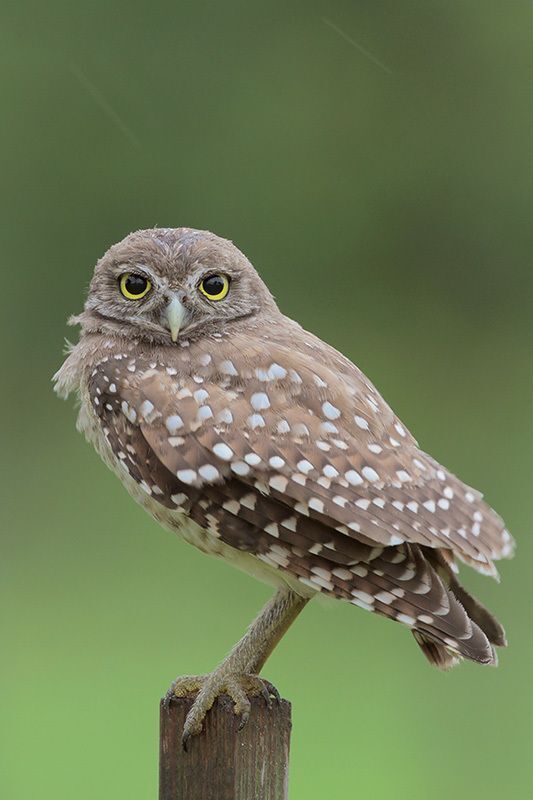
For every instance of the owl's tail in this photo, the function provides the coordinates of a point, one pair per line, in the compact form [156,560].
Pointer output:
[487,631]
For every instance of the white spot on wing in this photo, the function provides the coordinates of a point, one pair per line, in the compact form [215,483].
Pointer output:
[223,451]
[278,483]
[370,474]
[330,411]
[403,476]
[277,371]
[240,468]
[200,395]
[406,619]
[233,506]
[228,368]
[256,421]
[209,473]
[353,477]
[186,475]
[173,424]
[260,401]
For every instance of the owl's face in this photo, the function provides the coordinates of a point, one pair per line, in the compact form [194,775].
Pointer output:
[169,282]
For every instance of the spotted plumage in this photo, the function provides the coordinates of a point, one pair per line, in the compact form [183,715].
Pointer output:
[259,443]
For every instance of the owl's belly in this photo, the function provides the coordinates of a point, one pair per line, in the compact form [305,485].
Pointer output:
[177,520]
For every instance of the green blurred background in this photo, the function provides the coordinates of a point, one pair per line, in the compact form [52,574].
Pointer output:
[374,161]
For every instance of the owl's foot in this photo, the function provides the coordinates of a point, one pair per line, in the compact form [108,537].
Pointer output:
[208,687]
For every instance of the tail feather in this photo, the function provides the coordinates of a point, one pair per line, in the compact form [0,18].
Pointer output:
[484,630]
[479,614]
[437,654]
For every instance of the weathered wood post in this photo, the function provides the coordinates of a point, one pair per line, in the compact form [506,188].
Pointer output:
[224,763]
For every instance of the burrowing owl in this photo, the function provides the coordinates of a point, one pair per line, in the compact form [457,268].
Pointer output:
[259,443]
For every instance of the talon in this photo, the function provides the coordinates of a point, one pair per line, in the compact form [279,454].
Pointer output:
[265,691]
[167,698]
[272,691]
[192,727]
[239,686]
[245,716]
[275,694]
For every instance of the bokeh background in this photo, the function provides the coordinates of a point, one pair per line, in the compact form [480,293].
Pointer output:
[374,160]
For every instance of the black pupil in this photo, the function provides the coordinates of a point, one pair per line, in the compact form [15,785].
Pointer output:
[214,285]
[135,284]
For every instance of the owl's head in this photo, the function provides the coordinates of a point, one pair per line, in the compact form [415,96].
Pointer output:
[161,283]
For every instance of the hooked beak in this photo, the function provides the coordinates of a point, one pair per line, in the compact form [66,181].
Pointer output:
[175,314]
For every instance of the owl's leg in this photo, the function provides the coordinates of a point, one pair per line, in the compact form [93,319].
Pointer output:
[237,676]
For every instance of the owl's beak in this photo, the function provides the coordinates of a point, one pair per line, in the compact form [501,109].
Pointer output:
[175,314]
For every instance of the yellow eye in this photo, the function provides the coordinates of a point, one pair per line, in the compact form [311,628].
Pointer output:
[215,287]
[133,287]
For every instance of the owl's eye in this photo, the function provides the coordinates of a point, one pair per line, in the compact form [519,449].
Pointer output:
[215,287]
[133,287]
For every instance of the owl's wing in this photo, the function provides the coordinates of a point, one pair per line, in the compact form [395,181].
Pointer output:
[313,474]
[291,428]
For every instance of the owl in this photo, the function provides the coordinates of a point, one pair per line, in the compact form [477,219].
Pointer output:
[258,443]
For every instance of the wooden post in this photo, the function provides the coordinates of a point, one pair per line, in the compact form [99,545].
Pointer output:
[223,763]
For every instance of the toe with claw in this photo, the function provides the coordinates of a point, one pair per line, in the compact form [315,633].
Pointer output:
[239,687]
